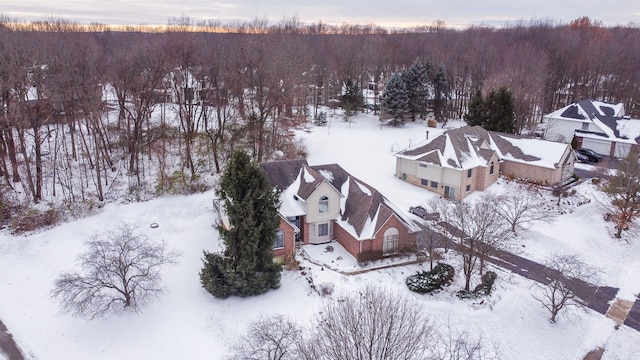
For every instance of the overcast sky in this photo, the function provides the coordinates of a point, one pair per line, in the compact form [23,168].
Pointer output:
[390,13]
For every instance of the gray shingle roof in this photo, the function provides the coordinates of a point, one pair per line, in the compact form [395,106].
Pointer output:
[283,173]
[361,204]
[469,141]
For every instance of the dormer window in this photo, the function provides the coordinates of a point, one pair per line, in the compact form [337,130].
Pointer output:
[323,205]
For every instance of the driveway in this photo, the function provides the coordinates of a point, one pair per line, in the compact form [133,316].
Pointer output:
[597,298]
[599,169]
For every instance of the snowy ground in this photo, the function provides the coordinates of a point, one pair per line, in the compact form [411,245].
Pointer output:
[188,323]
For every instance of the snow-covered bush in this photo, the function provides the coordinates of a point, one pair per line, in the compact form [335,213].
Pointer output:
[320,119]
[483,289]
[428,281]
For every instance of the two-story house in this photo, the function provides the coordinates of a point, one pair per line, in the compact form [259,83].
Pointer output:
[324,202]
[595,125]
[460,161]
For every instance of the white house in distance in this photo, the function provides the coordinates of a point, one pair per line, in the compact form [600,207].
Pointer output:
[596,125]
[460,161]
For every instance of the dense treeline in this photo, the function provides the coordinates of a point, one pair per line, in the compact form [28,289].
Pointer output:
[250,83]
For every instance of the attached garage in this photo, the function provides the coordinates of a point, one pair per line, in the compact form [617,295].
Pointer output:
[600,146]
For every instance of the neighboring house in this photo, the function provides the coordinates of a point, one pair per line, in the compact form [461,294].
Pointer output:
[324,203]
[596,125]
[460,161]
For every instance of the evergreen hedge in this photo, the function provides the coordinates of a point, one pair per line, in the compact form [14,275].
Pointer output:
[424,282]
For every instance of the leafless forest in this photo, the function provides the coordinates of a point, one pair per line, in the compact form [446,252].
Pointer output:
[89,108]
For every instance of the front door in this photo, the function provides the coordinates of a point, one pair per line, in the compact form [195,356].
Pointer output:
[449,192]
[295,220]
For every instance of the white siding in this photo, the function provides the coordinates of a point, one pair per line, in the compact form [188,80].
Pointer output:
[312,208]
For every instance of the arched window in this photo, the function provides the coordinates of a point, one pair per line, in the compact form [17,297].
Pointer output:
[278,242]
[323,205]
[390,241]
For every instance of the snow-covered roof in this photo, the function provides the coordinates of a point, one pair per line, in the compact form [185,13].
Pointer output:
[547,154]
[608,118]
[469,147]
[462,148]
[363,210]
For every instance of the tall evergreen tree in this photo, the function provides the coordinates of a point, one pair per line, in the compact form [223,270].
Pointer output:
[500,111]
[623,190]
[441,95]
[351,97]
[395,99]
[246,267]
[417,83]
[477,112]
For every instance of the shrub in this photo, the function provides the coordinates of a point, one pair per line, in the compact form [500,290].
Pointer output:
[32,219]
[432,123]
[483,289]
[486,286]
[428,281]
[320,119]
[290,262]
[367,256]
[325,289]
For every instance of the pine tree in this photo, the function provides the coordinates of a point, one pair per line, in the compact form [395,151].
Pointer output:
[395,99]
[246,267]
[623,190]
[500,111]
[417,83]
[440,95]
[351,98]
[476,111]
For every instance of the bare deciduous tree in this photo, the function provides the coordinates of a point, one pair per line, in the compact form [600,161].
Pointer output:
[452,344]
[374,325]
[478,231]
[520,206]
[559,293]
[272,338]
[120,271]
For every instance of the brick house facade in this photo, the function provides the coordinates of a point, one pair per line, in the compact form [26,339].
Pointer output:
[357,216]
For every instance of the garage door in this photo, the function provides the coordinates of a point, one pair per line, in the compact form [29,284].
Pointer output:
[599,146]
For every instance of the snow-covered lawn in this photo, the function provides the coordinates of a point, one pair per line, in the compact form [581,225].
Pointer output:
[187,323]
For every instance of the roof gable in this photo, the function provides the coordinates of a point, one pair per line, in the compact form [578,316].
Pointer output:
[460,148]
[608,118]
[475,146]
[363,208]
[361,204]
[281,174]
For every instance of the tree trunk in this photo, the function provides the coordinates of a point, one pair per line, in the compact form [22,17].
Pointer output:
[11,150]
[27,166]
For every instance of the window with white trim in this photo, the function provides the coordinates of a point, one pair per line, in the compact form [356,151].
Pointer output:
[323,229]
[323,205]
[390,241]
[278,243]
